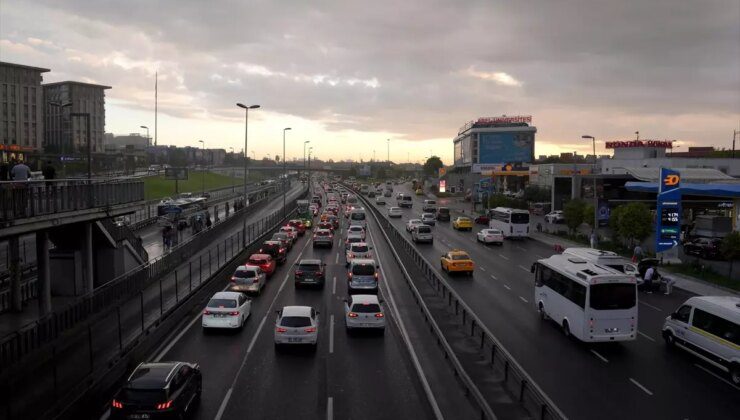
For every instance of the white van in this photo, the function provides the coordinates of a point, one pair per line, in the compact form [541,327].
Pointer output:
[606,259]
[709,328]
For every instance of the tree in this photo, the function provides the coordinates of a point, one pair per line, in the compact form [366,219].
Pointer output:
[536,194]
[432,165]
[277,158]
[632,222]
[588,214]
[730,249]
[573,212]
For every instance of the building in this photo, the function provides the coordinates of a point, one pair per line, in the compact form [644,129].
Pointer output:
[133,141]
[21,100]
[65,133]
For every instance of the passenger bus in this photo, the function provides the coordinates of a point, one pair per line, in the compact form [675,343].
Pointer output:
[514,223]
[588,301]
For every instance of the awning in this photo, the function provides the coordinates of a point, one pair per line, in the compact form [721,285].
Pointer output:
[715,190]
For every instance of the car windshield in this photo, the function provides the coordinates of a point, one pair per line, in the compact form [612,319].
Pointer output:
[363,270]
[443,210]
[143,396]
[366,308]
[519,218]
[360,248]
[295,321]
[245,274]
[222,303]
[613,296]
[423,229]
[257,261]
[458,257]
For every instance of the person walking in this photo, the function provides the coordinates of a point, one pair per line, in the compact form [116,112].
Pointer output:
[593,239]
[637,254]
[648,279]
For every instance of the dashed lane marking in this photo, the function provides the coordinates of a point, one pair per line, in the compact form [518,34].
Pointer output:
[523,300]
[603,359]
[503,256]
[641,386]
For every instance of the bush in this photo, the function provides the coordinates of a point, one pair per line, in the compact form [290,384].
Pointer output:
[500,200]
[537,194]
[632,222]
[573,212]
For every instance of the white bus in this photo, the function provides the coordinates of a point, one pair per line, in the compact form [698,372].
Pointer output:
[586,300]
[514,223]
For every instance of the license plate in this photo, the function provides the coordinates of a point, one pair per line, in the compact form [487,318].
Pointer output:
[366,325]
[294,340]
[138,416]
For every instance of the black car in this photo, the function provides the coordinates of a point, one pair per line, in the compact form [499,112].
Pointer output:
[703,247]
[443,214]
[159,390]
[276,250]
[310,272]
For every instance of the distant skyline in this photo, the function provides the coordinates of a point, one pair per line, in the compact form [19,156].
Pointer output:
[348,75]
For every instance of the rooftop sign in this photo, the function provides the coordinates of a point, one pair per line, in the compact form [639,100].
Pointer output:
[488,121]
[624,144]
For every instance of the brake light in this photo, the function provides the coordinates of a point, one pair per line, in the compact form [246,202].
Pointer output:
[207,312]
[379,315]
[281,329]
[350,274]
[352,315]
[376,276]
[298,273]
[233,279]
[314,236]
[310,329]
[116,404]
[233,313]
[282,250]
[164,405]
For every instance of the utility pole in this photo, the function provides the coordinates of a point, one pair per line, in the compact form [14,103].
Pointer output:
[734,134]
[593,174]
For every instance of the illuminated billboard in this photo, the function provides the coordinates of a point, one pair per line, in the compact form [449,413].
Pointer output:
[505,147]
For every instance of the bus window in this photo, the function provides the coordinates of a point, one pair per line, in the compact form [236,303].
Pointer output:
[612,296]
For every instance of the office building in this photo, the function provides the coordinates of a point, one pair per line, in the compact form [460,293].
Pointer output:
[66,134]
[21,114]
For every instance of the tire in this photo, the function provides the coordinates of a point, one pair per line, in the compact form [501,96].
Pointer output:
[670,340]
[735,374]
[541,311]
[566,329]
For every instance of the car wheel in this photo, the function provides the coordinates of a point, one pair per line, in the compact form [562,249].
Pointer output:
[735,373]
[541,311]
[566,329]
[670,340]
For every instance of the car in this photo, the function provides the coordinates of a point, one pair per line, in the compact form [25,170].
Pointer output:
[457,261]
[291,232]
[276,250]
[406,201]
[359,250]
[356,229]
[395,212]
[483,219]
[430,206]
[362,276]
[284,238]
[247,279]
[325,225]
[443,214]
[307,224]
[703,247]
[363,312]
[226,310]
[371,194]
[296,325]
[428,219]
[388,193]
[323,237]
[352,239]
[310,272]
[159,390]
[491,236]
[264,262]
[419,191]
[422,233]
[399,196]
[334,221]
[380,200]
[299,225]
[412,224]
[462,223]
[556,216]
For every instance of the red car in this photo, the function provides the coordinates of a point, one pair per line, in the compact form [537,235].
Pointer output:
[264,262]
[299,226]
[326,225]
[482,220]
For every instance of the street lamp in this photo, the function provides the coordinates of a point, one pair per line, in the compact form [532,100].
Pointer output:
[254,155]
[203,168]
[246,142]
[388,152]
[285,173]
[593,174]
[310,149]
[148,140]
[304,154]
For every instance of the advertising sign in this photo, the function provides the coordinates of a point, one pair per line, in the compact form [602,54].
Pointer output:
[504,148]
[666,144]
[668,222]
[176,174]
[441,172]
[442,185]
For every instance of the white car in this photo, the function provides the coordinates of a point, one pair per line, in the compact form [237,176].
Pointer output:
[428,219]
[297,325]
[556,216]
[291,231]
[380,200]
[358,250]
[248,279]
[395,212]
[226,310]
[412,224]
[491,236]
[356,230]
[363,311]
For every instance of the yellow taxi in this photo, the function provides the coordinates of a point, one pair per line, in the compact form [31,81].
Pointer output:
[462,223]
[457,261]
[324,217]
[419,191]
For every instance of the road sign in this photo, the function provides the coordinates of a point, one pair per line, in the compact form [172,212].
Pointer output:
[441,172]
[176,174]
[668,222]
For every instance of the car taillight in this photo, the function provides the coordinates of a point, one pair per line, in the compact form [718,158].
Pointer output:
[233,279]
[376,276]
[350,275]
[379,315]
[352,315]
[314,236]
[351,255]
[164,405]
[207,312]
[281,329]
[116,404]
[298,273]
[233,313]
[310,329]
[282,250]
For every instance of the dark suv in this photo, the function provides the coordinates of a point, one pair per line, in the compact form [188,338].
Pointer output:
[159,390]
[703,247]
[310,272]
[443,214]
[276,250]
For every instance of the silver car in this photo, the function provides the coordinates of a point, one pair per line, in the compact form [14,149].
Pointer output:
[363,311]
[395,212]
[359,250]
[422,233]
[323,237]
[248,279]
[297,325]
[362,276]
[428,219]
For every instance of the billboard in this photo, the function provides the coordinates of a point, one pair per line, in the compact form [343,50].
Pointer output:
[668,222]
[180,174]
[505,147]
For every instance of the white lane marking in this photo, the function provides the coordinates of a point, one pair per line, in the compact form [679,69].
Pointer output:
[331,334]
[334,286]
[645,335]
[225,401]
[524,300]
[178,337]
[651,306]
[641,386]
[540,257]
[493,277]
[503,256]
[603,359]
[482,268]
[402,328]
[507,287]
[520,248]
[330,409]
[717,376]
[523,268]
[336,260]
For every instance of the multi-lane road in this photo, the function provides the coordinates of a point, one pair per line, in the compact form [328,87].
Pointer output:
[639,379]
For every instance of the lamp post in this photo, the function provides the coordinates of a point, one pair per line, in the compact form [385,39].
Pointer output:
[203,168]
[246,141]
[310,149]
[254,155]
[388,151]
[304,155]
[593,174]
[148,139]
[285,173]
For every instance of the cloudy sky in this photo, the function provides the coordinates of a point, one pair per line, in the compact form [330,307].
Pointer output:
[347,75]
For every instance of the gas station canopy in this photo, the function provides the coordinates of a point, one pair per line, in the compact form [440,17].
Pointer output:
[714,190]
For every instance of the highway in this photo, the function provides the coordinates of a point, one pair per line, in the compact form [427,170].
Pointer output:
[639,379]
[363,376]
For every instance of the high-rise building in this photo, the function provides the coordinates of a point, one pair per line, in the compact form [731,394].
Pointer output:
[21,117]
[67,134]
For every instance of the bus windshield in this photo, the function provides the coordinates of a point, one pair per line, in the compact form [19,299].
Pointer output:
[612,296]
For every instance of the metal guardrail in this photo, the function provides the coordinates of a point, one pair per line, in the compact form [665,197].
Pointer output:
[516,379]
[121,233]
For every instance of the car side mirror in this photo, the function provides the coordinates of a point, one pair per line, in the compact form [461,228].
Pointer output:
[674,315]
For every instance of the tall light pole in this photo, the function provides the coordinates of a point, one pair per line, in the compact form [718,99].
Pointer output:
[304,155]
[388,151]
[310,149]
[246,141]
[203,166]
[254,155]
[285,173]
[148,139]
[593,174]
